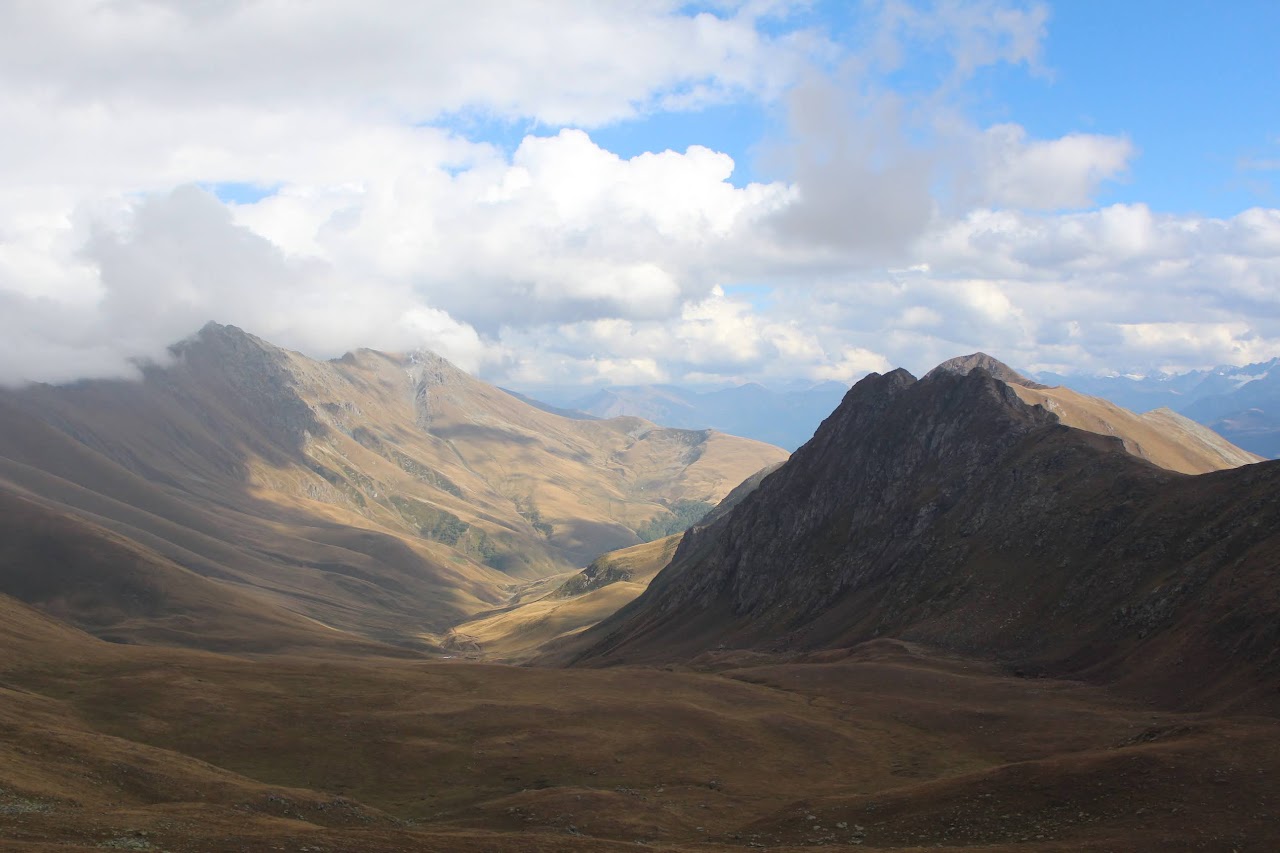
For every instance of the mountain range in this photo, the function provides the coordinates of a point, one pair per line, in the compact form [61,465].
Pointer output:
[387,497]
[950,511]
[256,601]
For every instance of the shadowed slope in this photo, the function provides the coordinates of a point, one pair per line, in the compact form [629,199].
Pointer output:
[948,511]
[104,583]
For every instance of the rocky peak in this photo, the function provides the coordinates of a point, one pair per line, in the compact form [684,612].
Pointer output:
[966,363]
[247,375]
[428,375]
[896,456]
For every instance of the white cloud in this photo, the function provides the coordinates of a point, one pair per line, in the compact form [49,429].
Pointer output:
[1047,174]
[897,232]
[557,62]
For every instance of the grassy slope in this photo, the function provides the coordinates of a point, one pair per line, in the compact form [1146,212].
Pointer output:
[521,631]
[1162,437]
[110,585]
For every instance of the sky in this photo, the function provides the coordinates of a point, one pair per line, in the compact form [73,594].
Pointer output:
[572,194]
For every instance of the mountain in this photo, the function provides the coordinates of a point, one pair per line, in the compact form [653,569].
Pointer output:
[1248,413]
[388,497]
[950,512]
[1242,403]
[785,418]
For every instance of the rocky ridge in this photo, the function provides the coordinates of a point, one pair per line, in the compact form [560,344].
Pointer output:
[949,511]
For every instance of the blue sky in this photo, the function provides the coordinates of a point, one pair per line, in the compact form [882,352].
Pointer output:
[574,193]
[1193,84]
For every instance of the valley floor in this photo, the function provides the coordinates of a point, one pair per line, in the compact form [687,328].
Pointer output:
[886,746]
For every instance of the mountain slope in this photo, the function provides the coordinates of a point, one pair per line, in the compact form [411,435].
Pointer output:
[112,587]
[1247,413]
[1160,436]
[544,615]
[391,496]
[948,511]
[1242,403]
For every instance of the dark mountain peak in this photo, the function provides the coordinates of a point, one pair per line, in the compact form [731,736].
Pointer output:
[980,360]
[948,511]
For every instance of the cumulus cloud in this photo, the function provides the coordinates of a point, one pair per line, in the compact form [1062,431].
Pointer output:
[177,260]
[862,188]
[1049,173]
[719,338]
[1120,287]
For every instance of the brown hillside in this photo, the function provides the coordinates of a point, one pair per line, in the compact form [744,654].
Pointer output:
[544,616]
[886,747]
[390,496]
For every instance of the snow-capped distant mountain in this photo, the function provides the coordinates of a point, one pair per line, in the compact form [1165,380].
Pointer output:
[785,418]
[1242,403]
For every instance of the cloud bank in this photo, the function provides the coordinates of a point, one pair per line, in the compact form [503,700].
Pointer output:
[326,181]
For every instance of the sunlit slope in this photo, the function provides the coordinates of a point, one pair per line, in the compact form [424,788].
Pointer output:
[545,615]
[519,632]
[568,489]
[390,496]
[1161,436]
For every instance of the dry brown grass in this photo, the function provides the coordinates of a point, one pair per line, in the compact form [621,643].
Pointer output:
[543,615]
[887,746]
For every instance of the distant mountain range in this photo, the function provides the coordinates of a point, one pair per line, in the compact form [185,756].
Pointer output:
[1241,403]
[786,418]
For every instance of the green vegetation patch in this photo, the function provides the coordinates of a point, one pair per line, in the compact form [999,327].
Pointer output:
[529,511]
[682,516]
[440,525]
